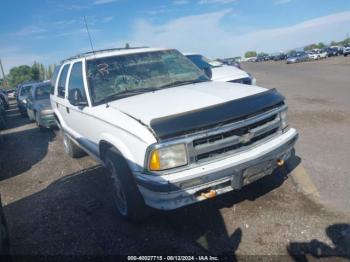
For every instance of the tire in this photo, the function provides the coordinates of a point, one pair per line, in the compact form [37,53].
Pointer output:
[4,237]
[71,148]
[126,196]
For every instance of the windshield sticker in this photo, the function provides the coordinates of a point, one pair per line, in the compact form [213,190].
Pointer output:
[103,69]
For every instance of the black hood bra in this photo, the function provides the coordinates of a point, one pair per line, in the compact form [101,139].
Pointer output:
[204,118]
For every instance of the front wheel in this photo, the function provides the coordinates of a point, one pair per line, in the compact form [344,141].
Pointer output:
[126,195]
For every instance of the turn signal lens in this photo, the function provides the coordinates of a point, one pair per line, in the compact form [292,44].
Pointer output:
[154,163]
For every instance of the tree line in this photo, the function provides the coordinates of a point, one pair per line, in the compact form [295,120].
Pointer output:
[25,73]
[320,45]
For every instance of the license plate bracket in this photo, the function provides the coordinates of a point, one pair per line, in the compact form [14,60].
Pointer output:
[257,171]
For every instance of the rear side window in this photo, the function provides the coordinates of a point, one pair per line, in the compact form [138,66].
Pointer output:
[76,81]
[54,79]
[62,82]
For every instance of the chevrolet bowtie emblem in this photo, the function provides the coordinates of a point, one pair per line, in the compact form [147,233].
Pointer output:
[246,138]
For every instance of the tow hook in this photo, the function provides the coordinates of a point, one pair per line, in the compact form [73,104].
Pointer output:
[280,162]
[210,194]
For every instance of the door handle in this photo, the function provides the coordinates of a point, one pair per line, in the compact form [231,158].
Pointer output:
[67,109]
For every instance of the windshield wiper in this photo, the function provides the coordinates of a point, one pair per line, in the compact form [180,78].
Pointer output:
[125,93]
[181,83]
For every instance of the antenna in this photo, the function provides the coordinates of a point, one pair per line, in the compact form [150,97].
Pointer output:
[87,29]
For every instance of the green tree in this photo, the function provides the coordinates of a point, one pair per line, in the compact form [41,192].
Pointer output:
[250,54]
[36,71]
[42,71]
[50,70]
[20,74]
[346,41]
[310,47]
[321,45]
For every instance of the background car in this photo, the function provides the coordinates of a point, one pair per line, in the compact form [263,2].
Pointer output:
[296,57]
[4,99]
[3,118]
[221,72]
[332,51]
[262,57]
[4,236]
[11,93]
[22,94]
[278,57]
[39,107]
[346,50]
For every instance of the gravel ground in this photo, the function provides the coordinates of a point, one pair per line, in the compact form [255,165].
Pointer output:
[318,96]
[59,206]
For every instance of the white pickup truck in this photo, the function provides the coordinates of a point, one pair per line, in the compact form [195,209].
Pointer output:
[167,135]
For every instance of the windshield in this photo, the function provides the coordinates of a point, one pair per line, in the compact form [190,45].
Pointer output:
[200,61]
[25,90]
[141,72]
[42,92]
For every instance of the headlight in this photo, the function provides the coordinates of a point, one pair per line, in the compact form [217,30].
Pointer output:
[167,157]
[284,119]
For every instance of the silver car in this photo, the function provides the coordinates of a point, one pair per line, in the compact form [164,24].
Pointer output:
[39,107]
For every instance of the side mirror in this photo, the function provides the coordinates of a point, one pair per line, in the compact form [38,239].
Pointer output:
[76,98]
[208,72]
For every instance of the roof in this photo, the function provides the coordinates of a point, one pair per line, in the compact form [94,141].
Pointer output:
[41,83]
[113,52]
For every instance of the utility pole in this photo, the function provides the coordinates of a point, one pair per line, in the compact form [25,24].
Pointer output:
[3,75]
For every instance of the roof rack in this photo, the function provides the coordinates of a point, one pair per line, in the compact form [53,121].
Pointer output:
[99,52]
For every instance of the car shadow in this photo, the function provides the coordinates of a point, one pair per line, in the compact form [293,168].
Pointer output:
[339,234]
[14,117]
[75,216]
[21,150]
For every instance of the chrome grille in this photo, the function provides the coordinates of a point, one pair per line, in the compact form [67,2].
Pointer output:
[212,146]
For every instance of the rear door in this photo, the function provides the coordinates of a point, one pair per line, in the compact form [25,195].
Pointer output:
[59,103]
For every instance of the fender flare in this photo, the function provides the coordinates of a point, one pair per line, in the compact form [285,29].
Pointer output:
[108,140]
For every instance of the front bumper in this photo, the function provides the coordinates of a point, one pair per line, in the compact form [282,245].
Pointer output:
[232,173]
[47,120]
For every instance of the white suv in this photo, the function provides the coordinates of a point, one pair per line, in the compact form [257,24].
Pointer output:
[167,135]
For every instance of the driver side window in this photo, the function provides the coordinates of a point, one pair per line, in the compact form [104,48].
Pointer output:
[76,84]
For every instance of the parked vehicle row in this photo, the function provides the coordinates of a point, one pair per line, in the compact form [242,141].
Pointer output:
[33,101]
[299,56]
[166,133]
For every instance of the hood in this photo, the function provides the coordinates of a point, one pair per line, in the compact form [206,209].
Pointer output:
[181,99]
[227,73]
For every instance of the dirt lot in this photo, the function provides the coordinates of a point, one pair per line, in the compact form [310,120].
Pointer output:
[318,96]
[56,205]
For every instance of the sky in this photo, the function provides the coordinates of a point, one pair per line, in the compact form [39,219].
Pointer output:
[48,31]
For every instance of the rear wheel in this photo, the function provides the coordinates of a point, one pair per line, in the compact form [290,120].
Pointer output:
[126,196]
[71,149]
